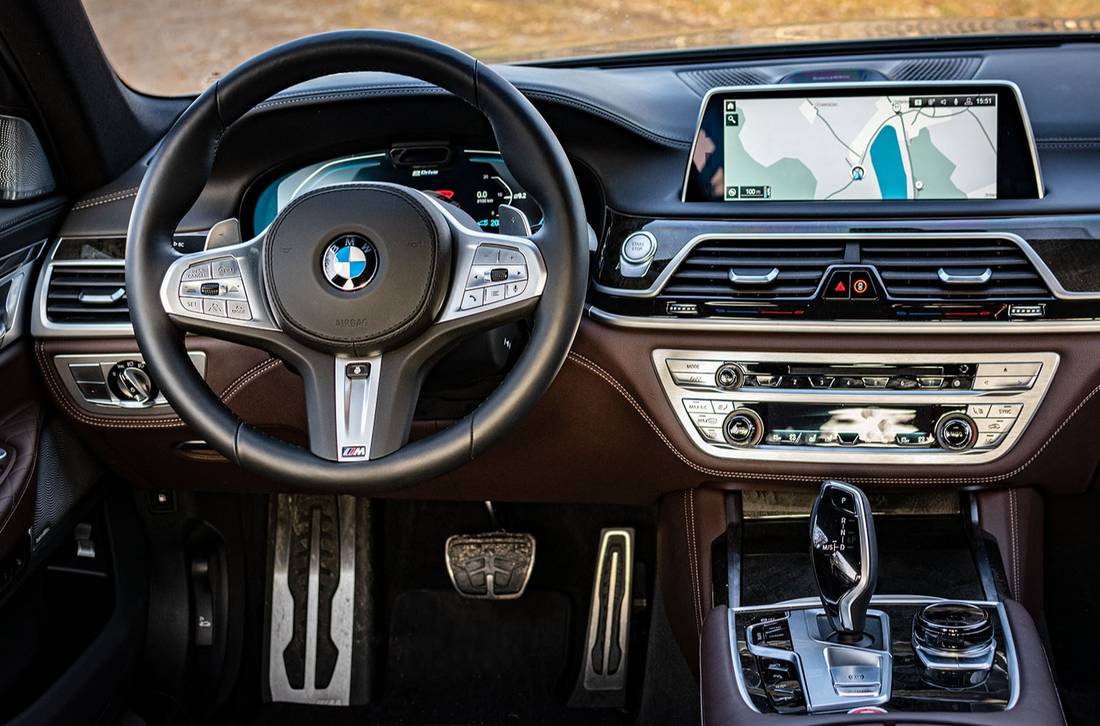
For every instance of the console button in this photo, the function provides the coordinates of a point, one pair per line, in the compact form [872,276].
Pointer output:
[862,286]
[913,438]
[697,405]
[978,410]
[722,407]
[904,383]
[742,428]
[94,391]
[930,381]
[639,247]
[848,438]
[988,440]
[839,286]
[679,365]
[1009,369]
[86,372]
[956,432]
[991,383]
[729,376]
[995,425]
[876,381]
[1005,410]
[706,419]
[711,434]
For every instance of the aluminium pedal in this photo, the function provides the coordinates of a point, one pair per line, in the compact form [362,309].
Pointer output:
[320,613]
[490,565]
[606,647]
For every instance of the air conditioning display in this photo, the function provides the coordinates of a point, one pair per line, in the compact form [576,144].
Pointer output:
[870,142]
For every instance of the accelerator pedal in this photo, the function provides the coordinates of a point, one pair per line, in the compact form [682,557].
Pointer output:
[606,648]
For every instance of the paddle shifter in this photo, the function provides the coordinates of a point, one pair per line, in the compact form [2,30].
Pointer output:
[845,557]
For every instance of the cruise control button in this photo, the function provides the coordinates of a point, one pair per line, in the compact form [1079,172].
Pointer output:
[214,307]
[234,289]
[225,267]
[494,294]
[472,298]
[190,289]
[196,272]
[239,310]
[191,304]
[486,255]
[697,405]
[512,257]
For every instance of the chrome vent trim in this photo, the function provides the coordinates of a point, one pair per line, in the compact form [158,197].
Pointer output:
[955,269]
[754,268]
[79,293]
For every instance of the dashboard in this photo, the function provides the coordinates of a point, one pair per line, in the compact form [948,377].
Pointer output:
[905,282]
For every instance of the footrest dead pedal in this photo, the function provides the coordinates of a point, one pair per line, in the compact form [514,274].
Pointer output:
[605,650]
[490,565]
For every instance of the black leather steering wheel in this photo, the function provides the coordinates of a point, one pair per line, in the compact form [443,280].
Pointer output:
[359,288]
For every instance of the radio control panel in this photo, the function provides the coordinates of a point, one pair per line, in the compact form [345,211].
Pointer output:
[855,408]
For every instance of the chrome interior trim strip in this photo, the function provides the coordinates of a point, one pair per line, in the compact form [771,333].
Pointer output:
[864,327]
[884,85]
[670,269]
[1029,398]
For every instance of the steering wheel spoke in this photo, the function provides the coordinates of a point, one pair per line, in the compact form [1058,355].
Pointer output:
[220,290]
[359,407]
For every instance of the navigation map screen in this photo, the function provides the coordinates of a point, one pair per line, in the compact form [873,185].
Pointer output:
[823,145]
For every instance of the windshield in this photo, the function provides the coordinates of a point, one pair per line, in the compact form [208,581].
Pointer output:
[176,47]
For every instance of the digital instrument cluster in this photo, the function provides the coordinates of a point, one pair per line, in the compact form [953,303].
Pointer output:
[476,181]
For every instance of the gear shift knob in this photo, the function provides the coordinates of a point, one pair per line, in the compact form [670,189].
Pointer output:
[844,555]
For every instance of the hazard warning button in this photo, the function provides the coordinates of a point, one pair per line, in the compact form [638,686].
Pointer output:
[839,286]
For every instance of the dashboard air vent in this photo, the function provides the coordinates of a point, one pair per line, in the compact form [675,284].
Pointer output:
[935,69]
[954,269]
[83,294]
[759,269]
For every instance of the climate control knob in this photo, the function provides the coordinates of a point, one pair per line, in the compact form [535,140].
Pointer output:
[743,428]
[729,376]
[956,432]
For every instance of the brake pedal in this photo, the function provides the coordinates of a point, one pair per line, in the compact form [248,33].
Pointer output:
[606,649]
[490,565]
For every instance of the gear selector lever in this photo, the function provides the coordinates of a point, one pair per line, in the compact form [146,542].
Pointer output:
[845,557]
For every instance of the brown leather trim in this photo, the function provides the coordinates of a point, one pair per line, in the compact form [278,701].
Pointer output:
[622,359]
[64,400]
[1015,518]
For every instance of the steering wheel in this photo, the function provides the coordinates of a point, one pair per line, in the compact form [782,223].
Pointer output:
[360,287]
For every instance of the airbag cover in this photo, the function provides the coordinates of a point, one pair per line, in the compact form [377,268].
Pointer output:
[399,266]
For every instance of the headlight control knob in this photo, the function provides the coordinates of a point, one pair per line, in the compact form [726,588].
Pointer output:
[743,428]
[131,384]
[956,432]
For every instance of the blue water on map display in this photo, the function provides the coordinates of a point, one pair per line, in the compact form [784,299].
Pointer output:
[886,158]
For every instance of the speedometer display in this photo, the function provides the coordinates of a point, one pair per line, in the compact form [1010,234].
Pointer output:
[473,180]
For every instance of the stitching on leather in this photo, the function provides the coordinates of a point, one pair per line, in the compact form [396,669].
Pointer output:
[695,558]
[727,473]
[61,396]
[1013,521]
[106,198]
[691,570]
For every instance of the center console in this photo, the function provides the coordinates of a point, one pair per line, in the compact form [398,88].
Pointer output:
[845,407]
[848,651]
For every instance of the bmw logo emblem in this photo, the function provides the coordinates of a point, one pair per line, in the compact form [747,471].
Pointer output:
[350,262]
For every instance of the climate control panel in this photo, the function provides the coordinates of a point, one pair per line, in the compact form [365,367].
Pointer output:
[884,408]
